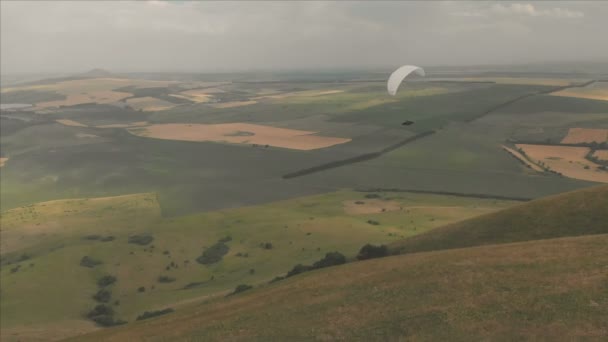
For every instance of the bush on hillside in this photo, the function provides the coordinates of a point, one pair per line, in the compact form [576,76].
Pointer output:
[213,254]
[297,269]
[370,251]
[87,261]
[150,314]
[103,296]
[165,279]
[330,259]
[141,239]
[106,281]
[240,288]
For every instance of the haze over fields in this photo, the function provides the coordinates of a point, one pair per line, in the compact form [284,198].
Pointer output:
[175,170]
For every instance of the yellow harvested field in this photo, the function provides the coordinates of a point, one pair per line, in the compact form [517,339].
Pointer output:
[519,80]
[132,124]
[239,133]
[3,161]
[601,154]
[595,91]
[233,104]
[370,206]
[198,98]
[102,96]
[586,135]
[305,93]
[96,90]
[67,122]
[149,104]
[568,160]
[521,157]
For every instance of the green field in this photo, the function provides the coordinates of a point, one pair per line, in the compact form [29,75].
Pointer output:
[52,236]
[62,183]
[549,288]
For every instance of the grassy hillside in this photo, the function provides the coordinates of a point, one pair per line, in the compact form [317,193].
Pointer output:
[44,285]
[580,212]
[548,289]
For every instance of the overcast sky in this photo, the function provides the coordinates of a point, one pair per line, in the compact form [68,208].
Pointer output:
[73,36]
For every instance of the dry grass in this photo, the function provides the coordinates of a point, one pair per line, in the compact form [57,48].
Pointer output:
[595,91]
[586,135]
[240,133]
[149,104]
[601,154]
[67,122]
[521,157]
[3,161]
[567,160]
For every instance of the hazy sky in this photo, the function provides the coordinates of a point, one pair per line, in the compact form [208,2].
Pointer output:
[72,36]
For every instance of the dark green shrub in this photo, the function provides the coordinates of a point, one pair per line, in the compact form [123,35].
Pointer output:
[372,196]
[297,269]
[370,251]
[101,310]
[373,222]
[103,296]
[87,261]
[141,239]
[107,239]
[213,254]
[106,281]
[240,288]
[330,259]
[141,289]
[150,314]
[165,279]
[266,245]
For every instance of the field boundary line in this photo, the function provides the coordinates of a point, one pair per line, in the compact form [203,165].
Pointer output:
[356,159]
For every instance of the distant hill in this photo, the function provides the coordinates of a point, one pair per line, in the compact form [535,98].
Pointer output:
[96,73]
[575,213]
[547,290]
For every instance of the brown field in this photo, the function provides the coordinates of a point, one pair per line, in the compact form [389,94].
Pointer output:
[3,161]
[595,91]
[233,104]
[567,160]
[149,104]
[601,154]
[67,122]
[239,133]
[521,157]
[586,135]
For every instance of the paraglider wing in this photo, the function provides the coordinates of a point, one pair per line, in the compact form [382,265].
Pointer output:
[394,81]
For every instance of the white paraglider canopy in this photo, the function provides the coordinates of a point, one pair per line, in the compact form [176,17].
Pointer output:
[394,81]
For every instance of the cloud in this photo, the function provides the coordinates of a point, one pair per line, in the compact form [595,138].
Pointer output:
[521,10]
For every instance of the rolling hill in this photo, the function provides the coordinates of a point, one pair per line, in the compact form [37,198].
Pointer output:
[580,212]
[533,271]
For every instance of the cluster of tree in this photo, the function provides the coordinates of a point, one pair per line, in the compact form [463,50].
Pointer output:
[330,259]
[87,261]
[103,314]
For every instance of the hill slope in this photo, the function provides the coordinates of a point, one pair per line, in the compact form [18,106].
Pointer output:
[548,289]
[575,213]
